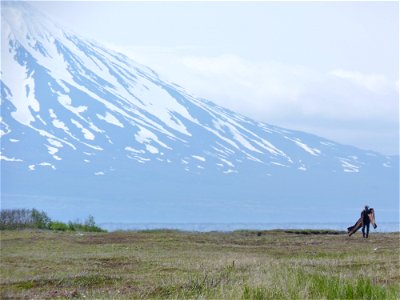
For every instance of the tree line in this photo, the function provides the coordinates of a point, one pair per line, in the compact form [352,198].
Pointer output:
[34,219]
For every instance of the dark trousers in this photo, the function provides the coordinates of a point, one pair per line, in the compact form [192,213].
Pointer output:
[365,225]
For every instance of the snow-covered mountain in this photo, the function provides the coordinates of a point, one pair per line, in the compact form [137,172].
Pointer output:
[86,127]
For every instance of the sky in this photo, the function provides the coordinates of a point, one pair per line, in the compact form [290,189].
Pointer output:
[328,68]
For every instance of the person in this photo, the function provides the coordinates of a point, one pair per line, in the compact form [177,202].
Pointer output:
[365,221]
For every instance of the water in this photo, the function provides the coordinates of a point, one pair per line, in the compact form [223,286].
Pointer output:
[227,227]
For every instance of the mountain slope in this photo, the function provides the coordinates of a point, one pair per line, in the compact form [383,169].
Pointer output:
[82,121]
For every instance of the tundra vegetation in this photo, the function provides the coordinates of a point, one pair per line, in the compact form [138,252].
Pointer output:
[172,264]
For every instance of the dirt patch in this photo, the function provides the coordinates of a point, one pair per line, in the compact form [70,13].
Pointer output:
[110,238]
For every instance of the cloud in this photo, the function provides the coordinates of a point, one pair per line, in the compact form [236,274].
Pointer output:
[245,77]
[327,103]
[372,82]
[263,90]
[277,92]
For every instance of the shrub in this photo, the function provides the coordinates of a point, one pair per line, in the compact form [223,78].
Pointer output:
[58,226]
[40,219]
[88,226]
[90,221]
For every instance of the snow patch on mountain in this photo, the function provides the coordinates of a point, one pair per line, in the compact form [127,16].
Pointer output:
[201,158]
[2,157]
[109,118]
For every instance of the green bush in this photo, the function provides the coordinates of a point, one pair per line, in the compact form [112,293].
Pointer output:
[58,226]
[40,219]
[89,225]
[71,226]
[86,228]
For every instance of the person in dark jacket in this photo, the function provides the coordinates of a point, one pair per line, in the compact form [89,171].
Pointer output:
[365,221]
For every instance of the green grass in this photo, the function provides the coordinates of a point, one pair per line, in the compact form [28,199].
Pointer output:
[283,264]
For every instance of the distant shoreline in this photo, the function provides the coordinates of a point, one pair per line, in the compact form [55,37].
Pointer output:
[230,227]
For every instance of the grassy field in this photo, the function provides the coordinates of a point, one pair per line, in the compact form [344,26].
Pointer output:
[173,264]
